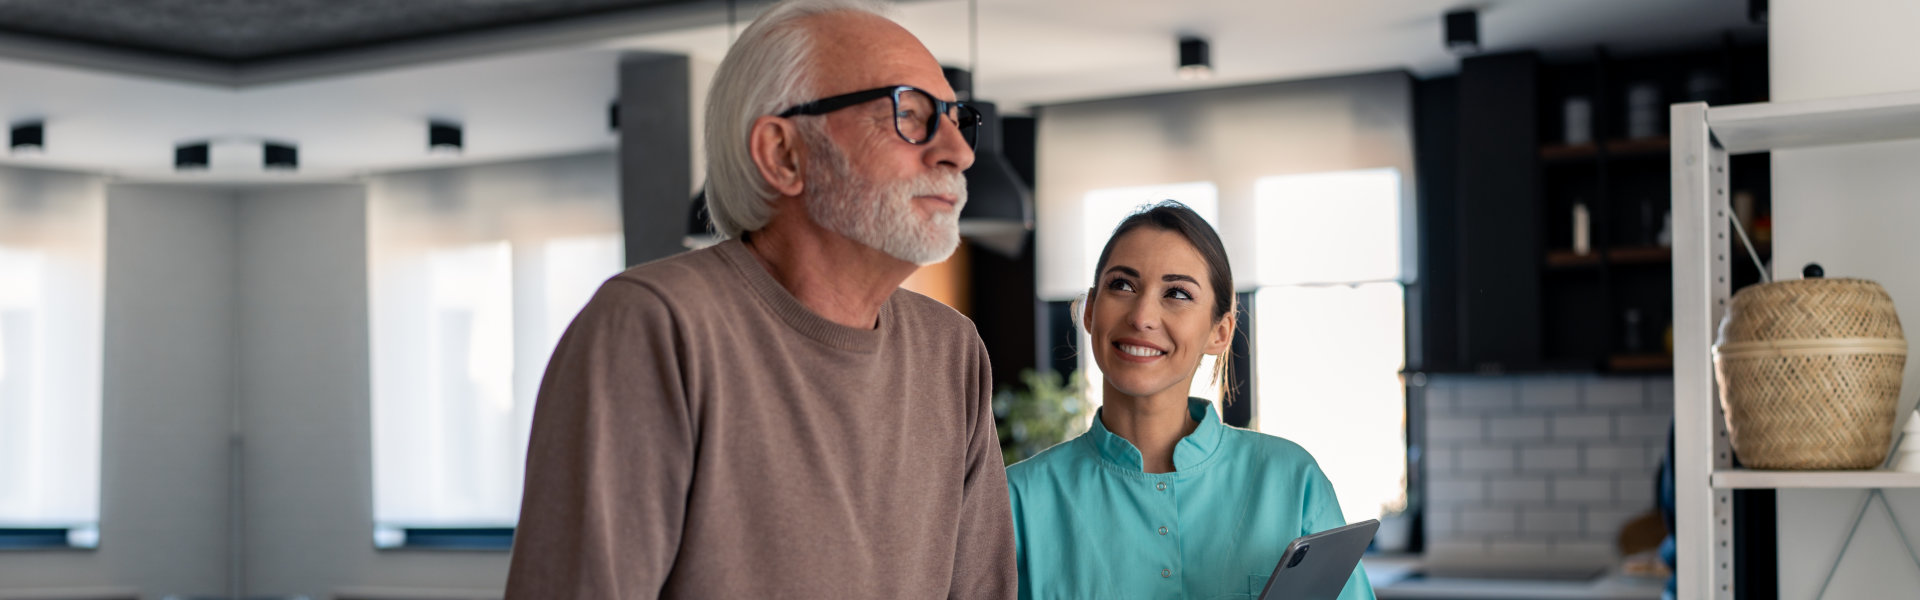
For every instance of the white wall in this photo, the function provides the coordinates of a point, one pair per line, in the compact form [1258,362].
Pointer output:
[1228,136]
[1854,211]
[168,369]
[305,377]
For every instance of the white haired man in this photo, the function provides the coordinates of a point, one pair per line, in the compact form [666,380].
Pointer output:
[773,416]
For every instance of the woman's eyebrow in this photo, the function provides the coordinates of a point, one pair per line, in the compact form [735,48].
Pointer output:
[1124,270]
[1171,277]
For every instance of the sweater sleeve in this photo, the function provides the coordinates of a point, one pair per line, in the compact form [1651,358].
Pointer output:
[610,457]
[983,564]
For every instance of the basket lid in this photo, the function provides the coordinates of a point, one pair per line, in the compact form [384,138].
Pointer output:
[1811,309]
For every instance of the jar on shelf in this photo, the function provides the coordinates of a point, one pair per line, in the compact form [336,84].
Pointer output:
[1809,373]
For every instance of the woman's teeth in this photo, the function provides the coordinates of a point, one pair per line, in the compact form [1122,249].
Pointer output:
[1143,351]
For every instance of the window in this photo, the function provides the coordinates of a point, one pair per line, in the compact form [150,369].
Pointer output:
[471,288]
[1103,210]
[52,262]
[1330,338]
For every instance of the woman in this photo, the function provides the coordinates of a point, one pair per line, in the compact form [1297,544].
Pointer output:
[1159,499]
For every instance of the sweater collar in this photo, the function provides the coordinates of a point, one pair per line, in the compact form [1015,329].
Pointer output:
[1192,450]
[797,315]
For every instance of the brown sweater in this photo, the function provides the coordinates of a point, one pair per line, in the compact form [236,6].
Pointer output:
[702,434]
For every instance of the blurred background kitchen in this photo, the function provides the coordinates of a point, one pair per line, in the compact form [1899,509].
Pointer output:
[278,278]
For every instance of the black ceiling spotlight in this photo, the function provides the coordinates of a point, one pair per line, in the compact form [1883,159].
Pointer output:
[444,137]
[1196,59]
[1463,31]
[277,156]
[29,136]
[190,156]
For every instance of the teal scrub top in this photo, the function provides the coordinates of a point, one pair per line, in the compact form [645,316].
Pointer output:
[1090,522]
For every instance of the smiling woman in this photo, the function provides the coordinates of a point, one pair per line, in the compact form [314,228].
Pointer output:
[1159,498]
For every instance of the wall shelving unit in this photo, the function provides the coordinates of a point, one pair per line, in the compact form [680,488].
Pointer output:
[1704,248]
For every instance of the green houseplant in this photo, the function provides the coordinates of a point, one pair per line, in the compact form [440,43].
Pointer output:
[1043,410]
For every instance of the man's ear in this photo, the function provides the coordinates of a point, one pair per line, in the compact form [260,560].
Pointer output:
[774,144]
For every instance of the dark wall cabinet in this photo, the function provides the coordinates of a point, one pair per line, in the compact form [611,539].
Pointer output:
[1545,191]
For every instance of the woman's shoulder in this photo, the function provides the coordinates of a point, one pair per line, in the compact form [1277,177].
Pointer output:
[1269,448]
[1055,461]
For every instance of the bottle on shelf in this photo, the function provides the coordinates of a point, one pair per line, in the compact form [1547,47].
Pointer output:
[1582,229]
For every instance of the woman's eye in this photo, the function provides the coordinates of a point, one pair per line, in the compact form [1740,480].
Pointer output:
[1120,285]
[1179,294]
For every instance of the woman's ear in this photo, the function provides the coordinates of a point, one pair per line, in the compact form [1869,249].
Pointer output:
[1085,304]
[1221,337]
[774,144]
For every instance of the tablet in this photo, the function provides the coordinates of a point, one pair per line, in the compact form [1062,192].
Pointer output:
[1316,566]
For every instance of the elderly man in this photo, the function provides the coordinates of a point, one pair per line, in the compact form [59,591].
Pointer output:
[773,417]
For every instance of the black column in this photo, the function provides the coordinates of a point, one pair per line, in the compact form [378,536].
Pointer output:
[656,154]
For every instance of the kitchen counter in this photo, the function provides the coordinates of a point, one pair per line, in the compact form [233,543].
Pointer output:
[1400,578]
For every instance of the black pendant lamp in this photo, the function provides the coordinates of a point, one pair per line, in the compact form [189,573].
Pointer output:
[999,210]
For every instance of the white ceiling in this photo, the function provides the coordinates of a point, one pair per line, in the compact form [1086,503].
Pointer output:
[517,101]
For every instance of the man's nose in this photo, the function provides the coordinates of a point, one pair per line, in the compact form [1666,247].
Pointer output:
[949,147]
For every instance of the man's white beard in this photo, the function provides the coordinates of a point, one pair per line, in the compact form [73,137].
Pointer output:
[881,215]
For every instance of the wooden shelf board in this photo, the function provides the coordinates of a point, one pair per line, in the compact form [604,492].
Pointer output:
[1640,255]
[1755,479]
[1640,362]
[1622,147]
[1626,255]
[1563,259]
[1558,152]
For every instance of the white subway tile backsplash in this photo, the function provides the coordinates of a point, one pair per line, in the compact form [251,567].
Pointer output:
[1643,426]
[1516,490]
[1487,459]
[1598,551]
[1549,393]
[1545,459]
[1635,489]
[1517,428]
[1522,465]
[1488,521]
[1660,394]
[1451,429]
[1617,457]
[1606,522]
[1616,392]
[1484,394]
[1582,426]
[1456,492]
[1545,522]
[1440,459]
[1440,523]
[1582,490]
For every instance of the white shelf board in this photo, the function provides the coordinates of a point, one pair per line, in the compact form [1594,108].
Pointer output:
[1746,128]
[1752,479]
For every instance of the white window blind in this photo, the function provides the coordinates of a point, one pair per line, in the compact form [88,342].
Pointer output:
[1330,337]
[476,273]
[52,264]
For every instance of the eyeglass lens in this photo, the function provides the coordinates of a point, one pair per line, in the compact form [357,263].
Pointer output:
[915,119]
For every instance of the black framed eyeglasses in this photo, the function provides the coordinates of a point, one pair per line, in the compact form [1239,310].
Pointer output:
[915,112]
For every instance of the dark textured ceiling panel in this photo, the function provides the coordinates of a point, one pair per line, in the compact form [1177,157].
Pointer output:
[244,30]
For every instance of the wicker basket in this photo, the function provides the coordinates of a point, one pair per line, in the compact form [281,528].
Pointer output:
[1810,373]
